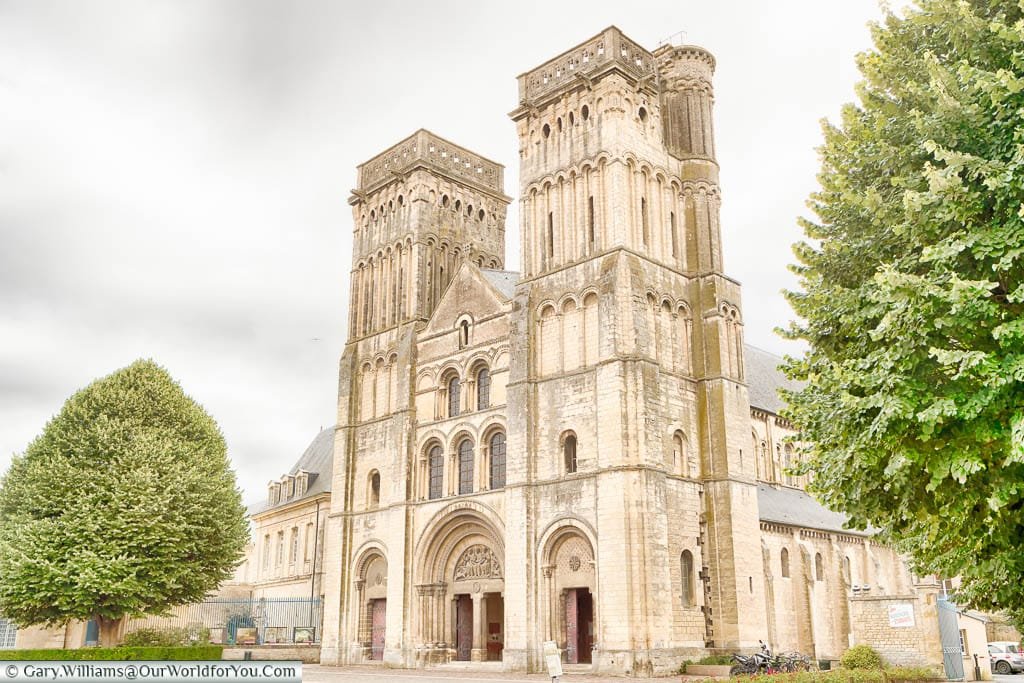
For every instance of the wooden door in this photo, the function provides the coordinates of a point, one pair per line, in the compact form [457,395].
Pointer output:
[585,623]
[378,613]
[463,628]
[572,627]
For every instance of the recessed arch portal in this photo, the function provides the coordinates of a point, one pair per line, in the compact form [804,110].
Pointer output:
[460,582]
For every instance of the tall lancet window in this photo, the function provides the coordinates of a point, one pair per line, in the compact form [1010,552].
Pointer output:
[453,396]
[465,467]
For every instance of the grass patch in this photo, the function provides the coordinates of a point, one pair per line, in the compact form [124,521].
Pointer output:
[134,654]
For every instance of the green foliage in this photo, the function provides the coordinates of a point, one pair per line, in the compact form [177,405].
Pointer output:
[849,676]
[913,673]
[131,654]
[166,637]
[861,657]
[124,505]
[912,299]
[716,660]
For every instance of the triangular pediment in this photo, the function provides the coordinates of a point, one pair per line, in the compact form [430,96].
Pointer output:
[469,292]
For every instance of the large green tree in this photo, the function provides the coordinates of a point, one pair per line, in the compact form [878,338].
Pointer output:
[125,504]
[912,293]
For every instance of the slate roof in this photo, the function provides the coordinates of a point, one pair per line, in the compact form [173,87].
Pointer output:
[318,460]
[794,507]
[764,379]
[503,280]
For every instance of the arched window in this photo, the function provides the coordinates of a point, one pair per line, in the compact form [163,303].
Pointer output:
[819,568]
[686,578]
[483,389]
[497,447]
[846,569]
[436,459]
[453,396]
[463,334]
[784,561]
[374,489]
[569,452]
[465,466]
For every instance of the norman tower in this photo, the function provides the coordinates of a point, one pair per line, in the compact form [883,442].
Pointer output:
[630,355]
[421,209]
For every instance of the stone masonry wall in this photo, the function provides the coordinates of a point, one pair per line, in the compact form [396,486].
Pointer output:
[916,645]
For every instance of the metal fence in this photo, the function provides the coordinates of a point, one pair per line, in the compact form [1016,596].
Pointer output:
[8,634]
[246,621]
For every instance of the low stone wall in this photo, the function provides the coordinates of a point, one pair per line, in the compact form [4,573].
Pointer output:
[307,654]
[709,670]
[903,629]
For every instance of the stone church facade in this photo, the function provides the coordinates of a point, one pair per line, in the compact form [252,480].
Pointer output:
[573,452]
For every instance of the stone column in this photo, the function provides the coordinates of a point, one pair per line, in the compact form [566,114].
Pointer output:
[477,654]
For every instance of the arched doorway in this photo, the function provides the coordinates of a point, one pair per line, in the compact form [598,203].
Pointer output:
[371,594]
[570,580]
[461,611]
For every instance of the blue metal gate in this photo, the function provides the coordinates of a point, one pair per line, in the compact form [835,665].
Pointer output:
[949,634]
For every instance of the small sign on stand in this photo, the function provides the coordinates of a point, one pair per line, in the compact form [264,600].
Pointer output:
[553,659]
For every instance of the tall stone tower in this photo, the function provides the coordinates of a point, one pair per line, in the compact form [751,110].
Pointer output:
[420,210]
[627,369]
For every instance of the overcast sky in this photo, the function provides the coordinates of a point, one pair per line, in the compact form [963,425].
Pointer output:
[174,175]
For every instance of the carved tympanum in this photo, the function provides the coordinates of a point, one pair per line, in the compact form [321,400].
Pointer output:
[477,562]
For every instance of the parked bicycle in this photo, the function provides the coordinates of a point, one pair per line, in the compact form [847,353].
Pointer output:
[764,662]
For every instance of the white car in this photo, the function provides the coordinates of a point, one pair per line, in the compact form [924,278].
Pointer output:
[1006,657]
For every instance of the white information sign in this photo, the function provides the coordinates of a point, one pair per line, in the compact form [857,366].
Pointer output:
[553,659]
[901,615]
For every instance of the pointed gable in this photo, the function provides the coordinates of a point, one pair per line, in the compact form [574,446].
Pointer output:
[470,292]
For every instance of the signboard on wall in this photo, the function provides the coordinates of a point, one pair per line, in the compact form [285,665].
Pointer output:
[901,615]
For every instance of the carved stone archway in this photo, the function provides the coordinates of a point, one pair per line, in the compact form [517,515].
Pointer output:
[460,587]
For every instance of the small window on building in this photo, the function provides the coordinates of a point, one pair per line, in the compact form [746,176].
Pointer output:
[465,467]
[819,568]
[585,112]
[784,562]
[546,130]
[497,448]
[645,224]
[846,570]
[963,643]
[308,552]
[551,234]
[293,553]
[266,551]
[686,578]
[642,113]
[672,232]
[453,396]
[569,452]
[463,334]
[483,389]
[374,489]
[280,548]
[436,464]
[590,222]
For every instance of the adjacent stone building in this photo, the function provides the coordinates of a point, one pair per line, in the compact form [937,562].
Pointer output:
[584,451]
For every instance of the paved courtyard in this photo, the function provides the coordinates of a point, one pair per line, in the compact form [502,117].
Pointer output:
[374,674]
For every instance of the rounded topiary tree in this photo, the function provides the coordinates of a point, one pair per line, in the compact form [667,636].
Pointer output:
[861,657]
[124,505]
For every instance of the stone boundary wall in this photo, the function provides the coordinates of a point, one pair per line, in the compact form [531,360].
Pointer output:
[916,644]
